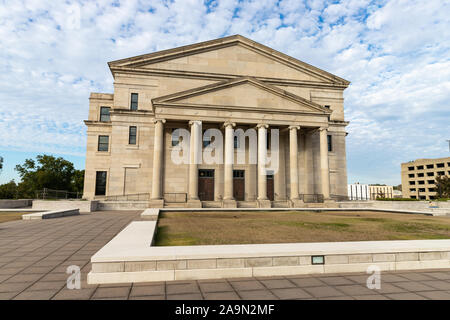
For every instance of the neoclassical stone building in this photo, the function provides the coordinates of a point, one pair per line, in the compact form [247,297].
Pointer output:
[228,84]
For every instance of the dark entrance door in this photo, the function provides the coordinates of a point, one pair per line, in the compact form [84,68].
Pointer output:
[270,187]
[239,185]
[206,185]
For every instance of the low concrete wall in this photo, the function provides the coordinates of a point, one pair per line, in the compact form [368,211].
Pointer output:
[436,206]
[51,214]
[129,258]
[82,205]
[21,203]
[121,205]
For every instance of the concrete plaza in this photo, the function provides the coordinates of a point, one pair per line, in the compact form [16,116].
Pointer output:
[34,256]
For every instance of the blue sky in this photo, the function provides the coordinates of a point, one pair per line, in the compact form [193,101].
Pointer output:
[396,54]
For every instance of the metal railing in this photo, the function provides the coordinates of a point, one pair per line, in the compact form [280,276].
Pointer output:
[47,194]
[128,197]
[311,198]
[175,197]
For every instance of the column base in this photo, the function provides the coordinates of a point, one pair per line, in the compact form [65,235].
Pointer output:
[156,203]
[264,204]
[229,203]
[193,203]
[296,203]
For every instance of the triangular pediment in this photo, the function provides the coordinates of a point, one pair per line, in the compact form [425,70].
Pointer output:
[230,56]
[242,93]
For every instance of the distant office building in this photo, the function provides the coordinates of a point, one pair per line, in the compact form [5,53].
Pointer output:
[419,177]
[359,191]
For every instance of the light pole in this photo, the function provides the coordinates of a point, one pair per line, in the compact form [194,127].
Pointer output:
[448,145]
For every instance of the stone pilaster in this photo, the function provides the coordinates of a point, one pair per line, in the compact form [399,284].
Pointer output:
[324,170]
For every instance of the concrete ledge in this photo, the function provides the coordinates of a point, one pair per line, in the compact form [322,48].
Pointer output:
[150,214]
[424,212]
[20,203]
[129,257]
[50,214]
[82,205]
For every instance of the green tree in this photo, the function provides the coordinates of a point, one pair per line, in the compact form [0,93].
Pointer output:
[443,186]
[45,172]
[8,190]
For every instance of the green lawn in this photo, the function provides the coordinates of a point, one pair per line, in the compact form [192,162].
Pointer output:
[209,228]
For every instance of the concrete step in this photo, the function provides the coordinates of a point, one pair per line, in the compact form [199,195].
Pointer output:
[212,204]
[247,204]
[280,204]
[174,205]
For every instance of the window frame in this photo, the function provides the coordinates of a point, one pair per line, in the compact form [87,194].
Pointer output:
[99,143]
[130,135]
[330,142]
[108,115]
[134,105]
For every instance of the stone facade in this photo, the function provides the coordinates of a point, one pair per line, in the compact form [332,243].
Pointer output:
[226,84]
[419,177]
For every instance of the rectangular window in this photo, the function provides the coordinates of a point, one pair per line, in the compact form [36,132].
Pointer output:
[430,174]
[430,166]
[411,175]
[100,183]
[412,189]
[420,174]
[430,181]
[103,143]
[327,106]
[134,101]
[236,142]
[412,182]
[440,165]
[104,114]
[330,143]
[175,137]
[132,135]
[419,167]
[440,173]
[238,174]
[410,168]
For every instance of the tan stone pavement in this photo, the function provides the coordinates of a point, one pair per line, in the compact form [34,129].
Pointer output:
[34,256]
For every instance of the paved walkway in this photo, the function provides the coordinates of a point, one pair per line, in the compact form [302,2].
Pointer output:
[34,256]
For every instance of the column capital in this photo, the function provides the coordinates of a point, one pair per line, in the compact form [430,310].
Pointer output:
[159,120]
[191,122]
[294,127]
[262,125]
[323,128]
[227,124]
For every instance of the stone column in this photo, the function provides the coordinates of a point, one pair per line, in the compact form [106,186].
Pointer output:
[156,200]
[293,165]
[195,157]
[324,171]
[228,199]
[280,174]
[263,201]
